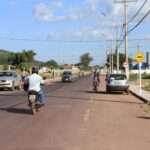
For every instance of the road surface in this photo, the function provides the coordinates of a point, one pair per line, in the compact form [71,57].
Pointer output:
[74,118]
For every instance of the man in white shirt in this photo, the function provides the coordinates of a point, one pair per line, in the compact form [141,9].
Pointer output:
[35,81]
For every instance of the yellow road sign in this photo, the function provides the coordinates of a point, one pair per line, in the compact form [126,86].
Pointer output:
[139,57]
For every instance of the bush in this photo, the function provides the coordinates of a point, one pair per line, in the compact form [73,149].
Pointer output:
[146,76]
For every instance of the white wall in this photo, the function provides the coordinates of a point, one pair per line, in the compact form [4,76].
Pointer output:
[147,71]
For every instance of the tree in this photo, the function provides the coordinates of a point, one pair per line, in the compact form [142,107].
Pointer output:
[85,60]
[121,60]
[27,56]
[52,63]
[23,59]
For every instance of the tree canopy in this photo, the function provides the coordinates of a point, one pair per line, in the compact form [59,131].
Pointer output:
[52,64]
[85,60]
[22,60]
[121,60]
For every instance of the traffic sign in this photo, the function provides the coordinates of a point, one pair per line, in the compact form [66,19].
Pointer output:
[139,57]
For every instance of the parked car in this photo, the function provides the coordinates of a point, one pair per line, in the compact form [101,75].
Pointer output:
[9,80]
[67,76]
[117,82]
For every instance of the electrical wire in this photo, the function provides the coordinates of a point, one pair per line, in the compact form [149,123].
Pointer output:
[132,29]
[50,40]
[143,18]
[138,11]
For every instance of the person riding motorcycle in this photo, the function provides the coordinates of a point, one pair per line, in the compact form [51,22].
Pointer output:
[96,79]
[34,84]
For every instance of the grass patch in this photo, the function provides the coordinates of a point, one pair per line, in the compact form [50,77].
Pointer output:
[147,87]
[133,77]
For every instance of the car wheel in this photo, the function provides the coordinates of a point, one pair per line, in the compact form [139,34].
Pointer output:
[127,91]
[107,91]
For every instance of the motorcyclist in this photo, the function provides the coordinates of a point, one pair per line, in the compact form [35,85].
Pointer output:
[96,77]
[34,84]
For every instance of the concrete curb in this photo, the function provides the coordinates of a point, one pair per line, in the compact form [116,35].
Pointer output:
[144,96]
[139,96]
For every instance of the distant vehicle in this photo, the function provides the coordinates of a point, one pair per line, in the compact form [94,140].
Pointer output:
[67,76]
[9,80]
[117,82]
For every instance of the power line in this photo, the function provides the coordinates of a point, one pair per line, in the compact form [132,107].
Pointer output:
[132,29]
[51,40]
[138,11]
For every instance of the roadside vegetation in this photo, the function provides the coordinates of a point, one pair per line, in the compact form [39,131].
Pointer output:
[24,60]
[134,79]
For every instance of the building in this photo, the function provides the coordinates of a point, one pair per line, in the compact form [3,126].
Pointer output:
[148,59]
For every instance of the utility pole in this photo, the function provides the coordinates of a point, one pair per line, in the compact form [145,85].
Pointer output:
[126,39]
[108,61]
[117,50]
[125,2]
[112,61]
[112,57]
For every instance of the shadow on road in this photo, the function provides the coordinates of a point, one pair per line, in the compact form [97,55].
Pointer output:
[93,92]
[103,92]
[17,110]
[12,109]
[89,99]
[144,117]
[13,94]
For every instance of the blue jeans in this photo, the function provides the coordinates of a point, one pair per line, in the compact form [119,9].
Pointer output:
[41,97]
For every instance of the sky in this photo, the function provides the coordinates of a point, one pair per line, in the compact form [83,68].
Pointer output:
[65,29]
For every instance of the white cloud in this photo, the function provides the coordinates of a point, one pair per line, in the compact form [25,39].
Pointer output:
[104,14]
[81,34]
[44,12]
[93,4]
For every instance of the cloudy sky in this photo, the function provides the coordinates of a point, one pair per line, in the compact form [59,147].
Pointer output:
[65,29]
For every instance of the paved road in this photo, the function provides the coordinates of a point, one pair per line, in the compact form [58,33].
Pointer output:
[74,119]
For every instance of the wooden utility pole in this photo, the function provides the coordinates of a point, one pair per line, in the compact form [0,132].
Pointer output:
[125,3]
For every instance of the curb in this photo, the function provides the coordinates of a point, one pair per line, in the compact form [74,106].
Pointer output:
[145,100]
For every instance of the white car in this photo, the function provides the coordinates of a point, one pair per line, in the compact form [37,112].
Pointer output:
[117,82]
[9,80]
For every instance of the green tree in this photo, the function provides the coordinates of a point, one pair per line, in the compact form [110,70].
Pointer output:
[27,56]
[121,60]
[52,63]
[22,59]
[85,60]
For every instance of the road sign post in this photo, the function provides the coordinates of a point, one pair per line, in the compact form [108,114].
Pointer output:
[139,59]
[140,77]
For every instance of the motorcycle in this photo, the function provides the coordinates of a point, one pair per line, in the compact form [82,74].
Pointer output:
[32,99]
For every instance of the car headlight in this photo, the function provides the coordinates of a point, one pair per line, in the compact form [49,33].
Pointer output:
[9,81]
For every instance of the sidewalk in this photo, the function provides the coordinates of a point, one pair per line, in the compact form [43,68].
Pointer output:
[142,94]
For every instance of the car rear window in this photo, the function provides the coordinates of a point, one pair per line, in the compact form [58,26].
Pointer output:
[118,76]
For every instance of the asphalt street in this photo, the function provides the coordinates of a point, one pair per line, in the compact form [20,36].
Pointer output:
[74,118]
